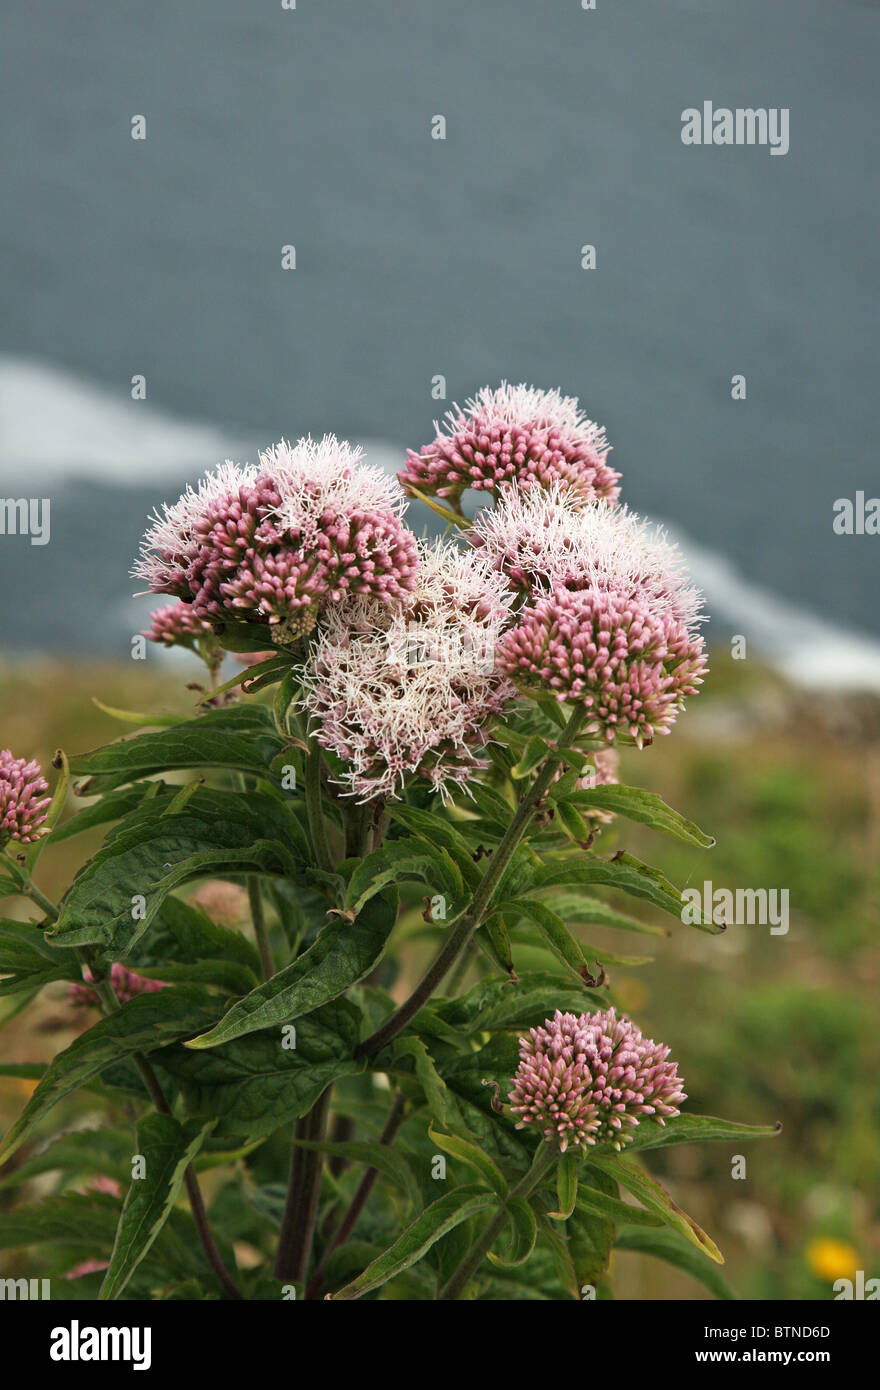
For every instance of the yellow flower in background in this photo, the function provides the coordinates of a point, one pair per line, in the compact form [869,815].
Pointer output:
[832,1259]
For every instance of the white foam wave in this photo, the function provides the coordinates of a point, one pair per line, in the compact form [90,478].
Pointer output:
[55,426]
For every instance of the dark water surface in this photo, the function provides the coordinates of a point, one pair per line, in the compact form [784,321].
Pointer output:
[415,257]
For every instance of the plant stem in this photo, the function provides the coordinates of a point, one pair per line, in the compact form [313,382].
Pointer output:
[462,931]
[258,918]
[314,808]
[358,1201]
[456,1285]
[303,1191]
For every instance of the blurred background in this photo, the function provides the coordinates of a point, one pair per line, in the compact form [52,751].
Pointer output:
[418,259]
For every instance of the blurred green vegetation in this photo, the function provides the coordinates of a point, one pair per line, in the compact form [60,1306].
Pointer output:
[765,1027]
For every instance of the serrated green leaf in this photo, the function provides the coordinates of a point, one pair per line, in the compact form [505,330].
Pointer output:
[572,822]
[401,860]
[442,1106]
[584,910]
[434,829]
[260,1082]
[152,854]
[656,1199]
[435,1221]
[343,954]
[622,871]
[167,1147]
[493,936]
[474,1156]
[556,934]
[566,1187]
[639,805]
[536,751]
[242,737]
[145,1023]
[388,1161]
[105,1152]
[111,807]
[523,1232]
[495,1005]
[29,961]
[690,1129]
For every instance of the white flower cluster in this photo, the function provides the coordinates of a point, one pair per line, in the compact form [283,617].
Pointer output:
[408,689]
[540,538]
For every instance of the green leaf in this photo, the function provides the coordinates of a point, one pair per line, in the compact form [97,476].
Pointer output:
[88,1221]
[639,805]
[167,1148]
[596,1202]
[494,1005]
[657,1200]
[669,1246]
[183,943]
[587,911]
[623,871]
[566,1187]
[103,1151]
[434,829]
[73,1218]
[386,1160]
[28,960]
[441,1104]
[572,822]
[143,721]
[495,939]
[243,737]
[589,1239]
[400,860]
[151,854]
[260,1082]
[145,1023]
[536,750]
[472,1155]
[556,934]
[690,1129]
[56,806]
[524,1230]
[435,1221]
[343,954]
[112,806]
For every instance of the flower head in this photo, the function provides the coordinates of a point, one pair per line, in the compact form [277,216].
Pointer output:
[22,803]
[514,435]
[176,625]
[409,690]
[540,539]
[278,543]
[630,666]
[588,1079]
[610,618]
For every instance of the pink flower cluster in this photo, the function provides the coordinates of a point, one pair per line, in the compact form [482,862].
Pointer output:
[176,625]
[23,805]
[588,1079]
[629,664]
[278,543]
[125,984]
[514,435]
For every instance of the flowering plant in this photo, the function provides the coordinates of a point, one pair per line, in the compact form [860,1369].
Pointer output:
[418,745]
